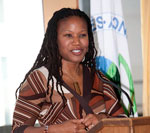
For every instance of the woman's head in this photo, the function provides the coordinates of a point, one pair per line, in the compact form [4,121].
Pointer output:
[50,46]
[72,39]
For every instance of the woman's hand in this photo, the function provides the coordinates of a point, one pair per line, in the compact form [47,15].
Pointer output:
[71,126]
[92,119]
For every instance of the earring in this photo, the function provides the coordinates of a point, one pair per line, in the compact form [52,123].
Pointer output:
[83,59]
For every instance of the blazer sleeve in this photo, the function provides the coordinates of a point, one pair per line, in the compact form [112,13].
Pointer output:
[28,105]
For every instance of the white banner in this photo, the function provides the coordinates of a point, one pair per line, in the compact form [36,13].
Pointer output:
[111,42]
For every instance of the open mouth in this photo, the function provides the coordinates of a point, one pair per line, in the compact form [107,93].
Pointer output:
[76,51]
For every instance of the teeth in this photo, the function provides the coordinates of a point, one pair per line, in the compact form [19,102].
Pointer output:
[75,51]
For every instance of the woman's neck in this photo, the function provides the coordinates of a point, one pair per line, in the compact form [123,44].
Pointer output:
[72,68]
[73,76]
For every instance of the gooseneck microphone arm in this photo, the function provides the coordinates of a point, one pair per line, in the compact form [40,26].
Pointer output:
[119,88]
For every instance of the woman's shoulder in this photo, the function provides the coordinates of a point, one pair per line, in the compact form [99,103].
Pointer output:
[43,71]
[96,71]
[102,76]
[36,81]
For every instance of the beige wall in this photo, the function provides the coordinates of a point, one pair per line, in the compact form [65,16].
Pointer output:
[50,6]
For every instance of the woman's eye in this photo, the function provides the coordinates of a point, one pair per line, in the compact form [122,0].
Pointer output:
[68,35]
[83,35]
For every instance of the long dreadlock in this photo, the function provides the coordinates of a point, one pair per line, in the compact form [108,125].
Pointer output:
[49,54]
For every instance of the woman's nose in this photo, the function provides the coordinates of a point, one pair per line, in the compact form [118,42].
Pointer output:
[76,40]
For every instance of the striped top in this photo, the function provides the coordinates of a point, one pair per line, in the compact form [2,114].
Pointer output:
[33,102]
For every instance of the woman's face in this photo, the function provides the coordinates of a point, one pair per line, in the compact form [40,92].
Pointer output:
[72,39]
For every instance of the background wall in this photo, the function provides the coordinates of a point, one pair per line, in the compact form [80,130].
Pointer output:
[21,36]
[50,6]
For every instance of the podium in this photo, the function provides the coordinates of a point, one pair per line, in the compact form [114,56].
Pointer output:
[122,125]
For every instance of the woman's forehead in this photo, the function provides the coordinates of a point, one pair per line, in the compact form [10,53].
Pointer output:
[71,18]
[66,22]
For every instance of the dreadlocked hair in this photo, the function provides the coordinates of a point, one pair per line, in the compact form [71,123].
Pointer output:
[49,54]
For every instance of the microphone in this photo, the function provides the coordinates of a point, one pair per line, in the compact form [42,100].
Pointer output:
[120,89]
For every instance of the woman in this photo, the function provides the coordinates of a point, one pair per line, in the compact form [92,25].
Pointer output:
[62,90]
